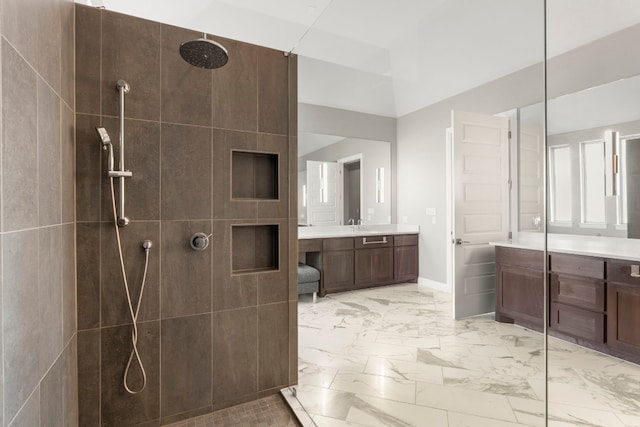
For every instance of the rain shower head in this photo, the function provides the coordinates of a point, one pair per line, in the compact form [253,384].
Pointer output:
[204,53]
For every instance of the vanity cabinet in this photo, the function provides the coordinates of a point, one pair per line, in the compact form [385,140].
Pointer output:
[520,287]
[623,308]
[593,301]
[337,264]
[349,263]
[405,258]
[373,260]
[577,294]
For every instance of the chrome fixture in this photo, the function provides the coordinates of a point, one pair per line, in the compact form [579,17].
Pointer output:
[120,221]
[199,241]
[204,53]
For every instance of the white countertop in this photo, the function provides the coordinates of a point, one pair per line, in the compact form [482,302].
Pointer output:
[323,232]
[605,247]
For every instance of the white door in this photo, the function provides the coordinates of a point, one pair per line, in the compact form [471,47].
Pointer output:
[480,207]
[324,193]
[530,179]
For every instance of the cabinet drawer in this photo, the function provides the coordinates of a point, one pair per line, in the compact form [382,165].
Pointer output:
[520,257]
[405,240]
[337,244]
[577,322]
[582,292]
[577,265]
[373,242]
[310,245]
[620,271]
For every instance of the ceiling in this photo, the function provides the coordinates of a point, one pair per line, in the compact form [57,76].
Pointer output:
[392,57]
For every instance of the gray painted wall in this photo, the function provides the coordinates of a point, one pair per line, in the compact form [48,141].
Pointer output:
[421,135]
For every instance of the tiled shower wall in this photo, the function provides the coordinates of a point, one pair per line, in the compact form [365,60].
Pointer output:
[209,338]
[38,338]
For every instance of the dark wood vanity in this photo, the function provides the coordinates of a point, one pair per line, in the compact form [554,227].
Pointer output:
[349,263]
[593,301]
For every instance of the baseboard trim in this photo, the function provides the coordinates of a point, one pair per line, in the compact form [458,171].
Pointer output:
[432,284]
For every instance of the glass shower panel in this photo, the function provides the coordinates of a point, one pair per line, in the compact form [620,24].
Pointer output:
[593,109]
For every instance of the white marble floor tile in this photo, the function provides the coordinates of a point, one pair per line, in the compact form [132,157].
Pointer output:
[321,421]
[383,413]
[356,346]
[465,420]
[377,386]
[465,401]
[411,371]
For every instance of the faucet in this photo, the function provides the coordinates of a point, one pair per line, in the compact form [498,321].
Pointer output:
[360,224]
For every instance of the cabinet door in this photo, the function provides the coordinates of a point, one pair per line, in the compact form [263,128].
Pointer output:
[405,264]
[623,317]
[337,268]
[373,266]
[577,322]
[520,295]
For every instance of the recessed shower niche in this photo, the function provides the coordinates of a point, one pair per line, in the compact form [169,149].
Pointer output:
[254,175]
[254,248]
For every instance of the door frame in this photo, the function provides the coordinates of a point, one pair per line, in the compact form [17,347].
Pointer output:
[350,159]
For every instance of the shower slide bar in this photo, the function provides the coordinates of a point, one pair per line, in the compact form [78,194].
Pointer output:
[121,174]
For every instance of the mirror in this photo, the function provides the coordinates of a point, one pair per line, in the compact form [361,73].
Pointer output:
[592,135]
[343,181]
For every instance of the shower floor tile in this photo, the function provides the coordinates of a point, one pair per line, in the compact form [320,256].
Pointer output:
[271,411]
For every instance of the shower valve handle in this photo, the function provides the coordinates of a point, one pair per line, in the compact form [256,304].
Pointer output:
[199,241]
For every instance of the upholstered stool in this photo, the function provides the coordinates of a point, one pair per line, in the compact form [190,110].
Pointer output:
[308,280]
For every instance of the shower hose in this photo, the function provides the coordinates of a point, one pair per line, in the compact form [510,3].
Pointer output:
[134,314]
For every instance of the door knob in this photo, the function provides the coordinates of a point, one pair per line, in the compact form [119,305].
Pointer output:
[460,241]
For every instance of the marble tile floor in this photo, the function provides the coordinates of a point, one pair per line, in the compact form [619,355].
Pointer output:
[392,356]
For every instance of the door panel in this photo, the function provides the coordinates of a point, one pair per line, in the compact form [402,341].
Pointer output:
[480,207]
[324,193]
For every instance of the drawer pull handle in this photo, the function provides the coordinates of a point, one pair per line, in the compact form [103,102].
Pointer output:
[635,271]
[375,242]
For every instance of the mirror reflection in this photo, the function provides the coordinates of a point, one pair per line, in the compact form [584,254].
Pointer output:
[343,181]
[588,158]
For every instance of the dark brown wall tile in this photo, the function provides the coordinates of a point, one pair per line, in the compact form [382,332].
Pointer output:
[119,408]
[67,52]
[49,295]
[89,378]
[274,286]
[293,258]
[52,395]
[277,208]
[131,52]
[235,88]
[68,165]
[273,345]
[19,142]
[293,342]
[186,282]
[186,172]
[142,157]
[89,158]
[68,255]
[186,375]
[293,96]
[70,384]
[114,306]
[21,321]
[49,164]
[293,177]
[234,354]
[223,143]
[229,291]
[29,415]
[49,36]
[273,92]
[186,90]
[88,273]
[19,24]
[88,59]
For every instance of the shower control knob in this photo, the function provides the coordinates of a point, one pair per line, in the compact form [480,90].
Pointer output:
[199,241]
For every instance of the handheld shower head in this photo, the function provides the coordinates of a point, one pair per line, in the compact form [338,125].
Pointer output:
[106,145]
